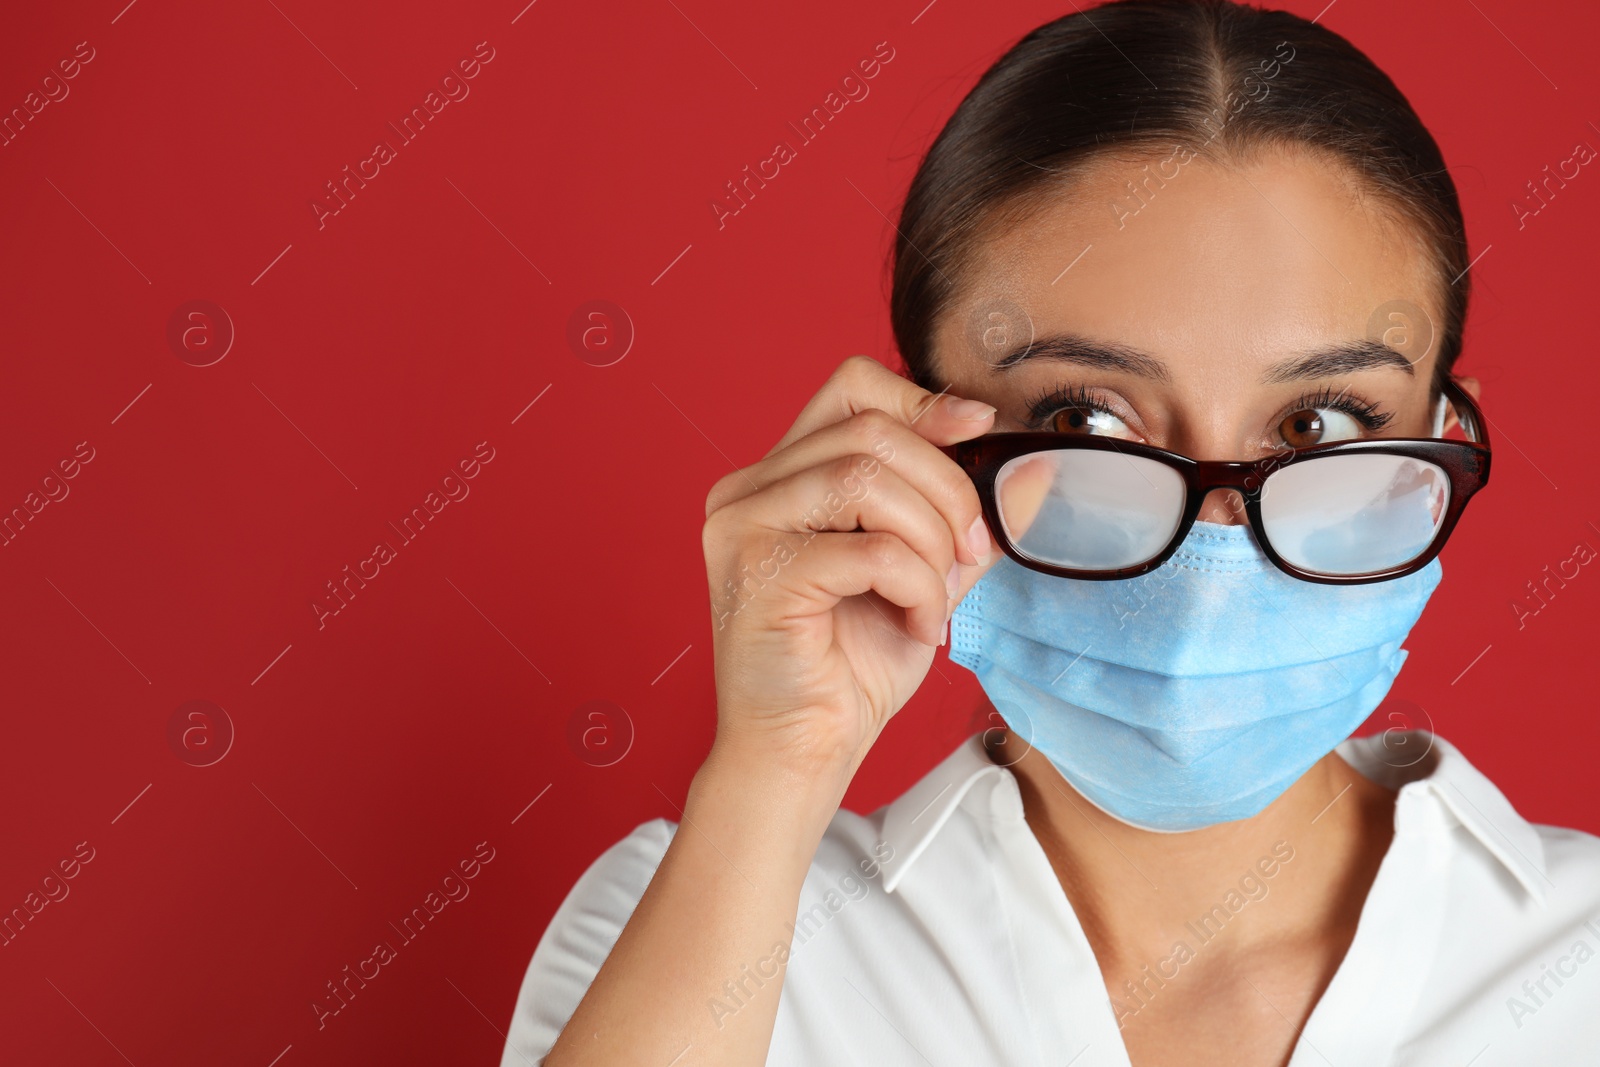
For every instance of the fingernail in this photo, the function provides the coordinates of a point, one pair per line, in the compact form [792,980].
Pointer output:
[952,580]
[970,410]
[944,634]
[978,539]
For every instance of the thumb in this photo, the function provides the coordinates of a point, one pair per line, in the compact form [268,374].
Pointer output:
[945,418]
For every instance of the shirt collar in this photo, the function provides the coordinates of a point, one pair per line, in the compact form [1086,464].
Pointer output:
[913,820]
[1440,772]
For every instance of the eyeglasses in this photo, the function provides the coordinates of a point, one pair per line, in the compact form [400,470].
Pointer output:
[1346,513]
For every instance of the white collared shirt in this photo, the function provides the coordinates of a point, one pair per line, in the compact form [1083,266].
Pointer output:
[934,931]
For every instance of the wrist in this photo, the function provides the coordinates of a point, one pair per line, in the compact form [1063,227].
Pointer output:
[752,798]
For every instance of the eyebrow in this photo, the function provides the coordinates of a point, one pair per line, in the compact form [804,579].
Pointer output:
[1338,358]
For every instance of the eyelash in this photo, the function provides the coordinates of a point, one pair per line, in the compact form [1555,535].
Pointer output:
[1366,414]
[1045,404]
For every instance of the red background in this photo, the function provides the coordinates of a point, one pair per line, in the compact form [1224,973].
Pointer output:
[373,353]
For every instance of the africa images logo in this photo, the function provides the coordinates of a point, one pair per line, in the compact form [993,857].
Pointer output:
[853,88]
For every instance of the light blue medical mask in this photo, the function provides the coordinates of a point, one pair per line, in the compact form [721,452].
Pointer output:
[1194,694]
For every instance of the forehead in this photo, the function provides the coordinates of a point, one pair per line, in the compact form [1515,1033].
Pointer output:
[1199,261]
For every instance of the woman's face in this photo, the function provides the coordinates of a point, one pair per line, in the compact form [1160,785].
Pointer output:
[1233,311]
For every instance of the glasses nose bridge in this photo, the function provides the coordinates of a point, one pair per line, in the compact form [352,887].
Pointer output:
[1243,475]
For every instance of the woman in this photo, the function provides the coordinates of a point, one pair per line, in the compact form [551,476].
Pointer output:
[1152,231]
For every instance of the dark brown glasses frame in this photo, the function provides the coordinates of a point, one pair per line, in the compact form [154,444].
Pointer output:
[1465,463]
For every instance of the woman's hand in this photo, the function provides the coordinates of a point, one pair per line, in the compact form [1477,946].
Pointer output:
[827,561]
[834,564]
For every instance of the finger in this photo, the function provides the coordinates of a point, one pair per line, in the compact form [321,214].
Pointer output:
[1021,496]
[860,383]
[835,496]
[838,565]
[877,438]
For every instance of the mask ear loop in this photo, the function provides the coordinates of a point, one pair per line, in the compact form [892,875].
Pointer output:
[1439,411]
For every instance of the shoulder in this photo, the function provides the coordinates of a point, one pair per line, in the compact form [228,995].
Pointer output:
[1571,876]
[598,905]
[873,929]
[605,895]
[618,877]
[1571,856]
[589,920]
[580,936]
[1514,911]
[1538,985]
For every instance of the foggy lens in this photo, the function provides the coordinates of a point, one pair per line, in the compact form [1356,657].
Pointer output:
[1356,514]
[1087,509]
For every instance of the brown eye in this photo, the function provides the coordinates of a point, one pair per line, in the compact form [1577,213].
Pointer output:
[1087,420]
[1318,426]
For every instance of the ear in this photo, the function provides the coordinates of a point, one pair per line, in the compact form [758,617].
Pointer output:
[1470,386]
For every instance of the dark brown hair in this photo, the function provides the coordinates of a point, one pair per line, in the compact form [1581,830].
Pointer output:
[1131,78]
